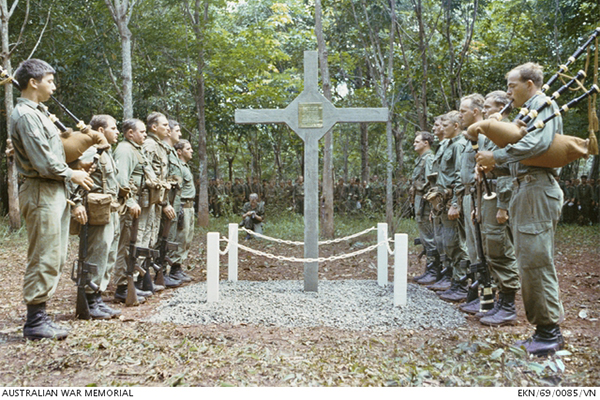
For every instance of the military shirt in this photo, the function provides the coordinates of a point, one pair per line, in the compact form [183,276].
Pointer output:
[157,153]
[105,176]
[423,167]
[504,184]
[131,165]
[188,190]
[534,143]
[39,152]
[449,166]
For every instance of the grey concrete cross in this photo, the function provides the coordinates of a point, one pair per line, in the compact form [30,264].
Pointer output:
[311,115]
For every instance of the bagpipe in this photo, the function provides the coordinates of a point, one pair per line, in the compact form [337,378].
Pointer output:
[74,142]
[564,148]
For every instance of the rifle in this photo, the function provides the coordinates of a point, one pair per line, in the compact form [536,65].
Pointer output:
[165,245]
[81,271]
[481,269]
[135,252]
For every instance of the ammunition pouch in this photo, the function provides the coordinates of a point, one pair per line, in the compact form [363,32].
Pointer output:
[100,206]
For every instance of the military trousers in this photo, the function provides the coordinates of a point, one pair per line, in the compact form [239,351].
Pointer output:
[426,230]
[120,272]
[498,247]
[453,234]
[43,204]
[103,243]
[470,239]
[535,211]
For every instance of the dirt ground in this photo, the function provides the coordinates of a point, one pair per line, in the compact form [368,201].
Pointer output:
[129,351]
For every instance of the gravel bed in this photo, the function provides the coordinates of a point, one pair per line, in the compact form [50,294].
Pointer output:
[349,305]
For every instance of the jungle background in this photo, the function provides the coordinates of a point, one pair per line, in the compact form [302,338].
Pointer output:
[199,60]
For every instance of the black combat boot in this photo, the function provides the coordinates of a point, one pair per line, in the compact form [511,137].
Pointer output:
[471,307]
[444,282]
[39,326]
[457,292]
[95,312]
[431,271]
[121,294]
[106,309]
[506,314]
[171,282]
[546,340]
[178,274]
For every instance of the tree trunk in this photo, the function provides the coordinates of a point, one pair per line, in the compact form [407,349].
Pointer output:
[327,225]
[14,213]
[121,11]
[364,152]
[127,73]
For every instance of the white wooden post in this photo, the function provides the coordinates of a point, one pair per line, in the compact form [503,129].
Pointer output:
[232,271]
[382,254]
[212,266]
[400,268]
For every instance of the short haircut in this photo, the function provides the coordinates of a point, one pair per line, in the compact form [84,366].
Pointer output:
[32,68]
[476,101]
[530,71]
[253,196]
[130,123]
[153,118]
[499,98]
[452,116]
[173,124]
[101,121]
[426,136]
[181,144]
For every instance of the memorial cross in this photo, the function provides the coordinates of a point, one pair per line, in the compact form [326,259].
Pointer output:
[311,115]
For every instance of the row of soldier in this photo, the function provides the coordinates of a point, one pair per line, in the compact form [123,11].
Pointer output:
[348,197]
[129,203]
[484,217]
[582,201]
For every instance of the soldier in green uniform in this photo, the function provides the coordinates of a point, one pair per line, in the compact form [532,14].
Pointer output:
[470,112]
[449,182]
[132,164]
[534,210]
[175,178]
[103,240]
[435,213]
[157,152]
[497,233]
[185,210]
[569,207]
[419,185]
[40,158]
[253,215]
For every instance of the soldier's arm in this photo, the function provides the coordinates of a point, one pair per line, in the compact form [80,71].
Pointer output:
[534,143]
[37,147]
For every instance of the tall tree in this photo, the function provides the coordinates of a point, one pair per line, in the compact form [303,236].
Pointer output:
[121,11]
[328,227]
[197,16]
[13,187]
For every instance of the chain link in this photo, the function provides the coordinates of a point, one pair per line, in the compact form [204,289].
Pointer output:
[295,243]
[304,260]
[226,250]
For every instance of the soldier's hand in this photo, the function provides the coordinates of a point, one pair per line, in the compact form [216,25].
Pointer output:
[82,178]
[486,161]
[453,213]
[502,216]
[79,214]
[135,211]
[169,211]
